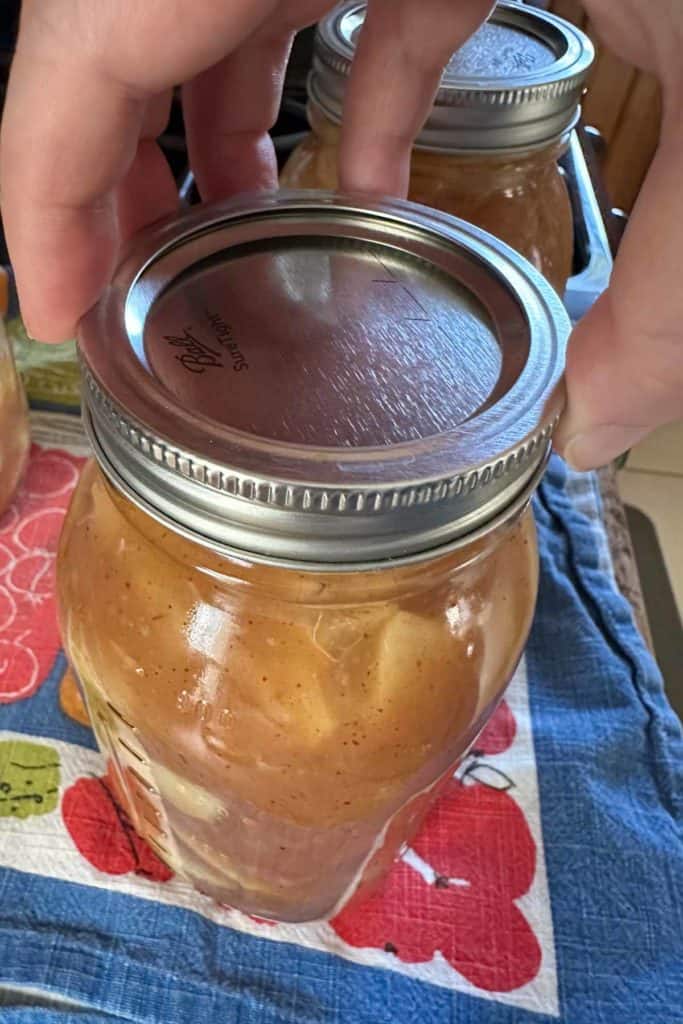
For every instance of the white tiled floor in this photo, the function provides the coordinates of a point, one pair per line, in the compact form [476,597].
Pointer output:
[653,483]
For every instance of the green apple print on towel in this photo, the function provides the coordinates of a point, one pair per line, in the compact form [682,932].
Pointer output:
[29,779]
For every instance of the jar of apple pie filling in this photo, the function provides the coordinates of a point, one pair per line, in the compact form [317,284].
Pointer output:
[301,571]
[14,430]
[490,147]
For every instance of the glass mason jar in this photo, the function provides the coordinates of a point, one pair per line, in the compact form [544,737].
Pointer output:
[489,150]
[14,429]
[318,426]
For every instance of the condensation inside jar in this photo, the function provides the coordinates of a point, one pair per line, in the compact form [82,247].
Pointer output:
[318,423]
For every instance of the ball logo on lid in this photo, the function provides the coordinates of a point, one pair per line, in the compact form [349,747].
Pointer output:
[196,356]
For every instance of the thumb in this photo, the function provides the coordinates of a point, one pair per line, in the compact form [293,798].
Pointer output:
[625,359]
[621,384]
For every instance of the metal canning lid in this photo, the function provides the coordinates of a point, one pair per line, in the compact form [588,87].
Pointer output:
[516,83]
[318,380]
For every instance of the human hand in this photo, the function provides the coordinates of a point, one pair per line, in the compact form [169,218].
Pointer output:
[625,359]
[90,91]
[79,169]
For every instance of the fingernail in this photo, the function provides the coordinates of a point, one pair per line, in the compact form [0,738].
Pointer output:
[600,446]
[45,337]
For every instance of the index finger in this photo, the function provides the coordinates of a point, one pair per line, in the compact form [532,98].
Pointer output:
[403,48]
[68,137]
[80,87]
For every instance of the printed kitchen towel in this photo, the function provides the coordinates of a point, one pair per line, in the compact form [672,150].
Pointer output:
[546,886]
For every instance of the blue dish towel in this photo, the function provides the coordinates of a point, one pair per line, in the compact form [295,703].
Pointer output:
[546,886]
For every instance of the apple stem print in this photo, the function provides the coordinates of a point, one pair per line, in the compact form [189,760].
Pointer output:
[29,779]
[479,771]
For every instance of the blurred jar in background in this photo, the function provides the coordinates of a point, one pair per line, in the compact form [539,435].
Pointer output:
[14,428]
[489,150]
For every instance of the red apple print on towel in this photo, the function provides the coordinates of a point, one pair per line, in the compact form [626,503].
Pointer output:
[30,577]
[397,918]
[6,556]
[499,732]
[50,474]
[104,835]
[38,531]
[482,854]
[19,671]
[8,609]
[479,833]
[29,534]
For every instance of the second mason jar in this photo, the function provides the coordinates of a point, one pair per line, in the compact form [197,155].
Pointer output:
[317,426]
[490,147]
[14,426]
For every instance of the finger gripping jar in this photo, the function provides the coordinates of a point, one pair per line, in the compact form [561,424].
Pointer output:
[489,150]
[14,430]
[317,424]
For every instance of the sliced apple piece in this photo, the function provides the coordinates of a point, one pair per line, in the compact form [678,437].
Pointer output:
[339,630]
[274,668]
[188,798]
[410,648]
[207,863]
